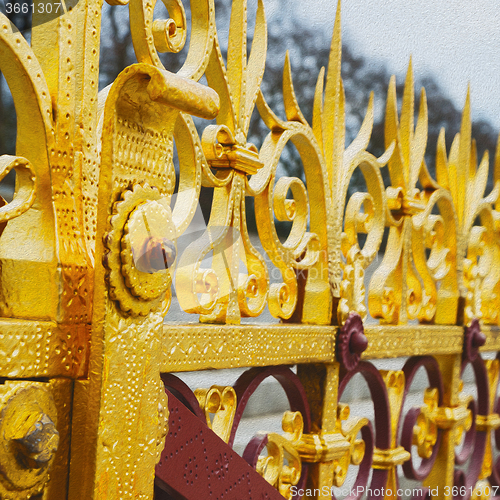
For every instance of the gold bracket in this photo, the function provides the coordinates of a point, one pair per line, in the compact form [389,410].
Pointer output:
[448,418]
[404,204]
[486,423]
[314,448]
[222,152]
[340,447]
[387,459]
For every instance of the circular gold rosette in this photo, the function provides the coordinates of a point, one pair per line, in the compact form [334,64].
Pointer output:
[141,250]
[28,440]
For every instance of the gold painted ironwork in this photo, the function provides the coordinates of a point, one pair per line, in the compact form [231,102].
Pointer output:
[325,447]
[89,261]
[219,406]
[282,466]
[426,429]
[396,455]
[340,448]
[488,423]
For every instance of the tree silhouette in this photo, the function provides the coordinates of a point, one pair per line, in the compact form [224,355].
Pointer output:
[309,51]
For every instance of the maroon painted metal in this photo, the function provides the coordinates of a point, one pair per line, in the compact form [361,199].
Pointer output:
[254,448]
[382,440]
[197,465]
[410,369]
[248,382]
[351,342]
[474,338]
[474,444]
[422,494]
[495,474]
[182,392]
[246,385]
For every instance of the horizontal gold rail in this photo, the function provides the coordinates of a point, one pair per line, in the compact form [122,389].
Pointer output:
[62,350]
[35,349]
[412,340]
[492,334]
[192,347]
[201,347]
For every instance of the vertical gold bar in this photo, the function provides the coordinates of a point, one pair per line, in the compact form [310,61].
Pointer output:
[321,383]
[441,475]
[62,391]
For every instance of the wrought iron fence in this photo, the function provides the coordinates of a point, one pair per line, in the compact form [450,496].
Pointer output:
[91,260]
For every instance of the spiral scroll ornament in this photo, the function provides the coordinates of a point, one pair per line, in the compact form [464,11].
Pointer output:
[153,36]
[219,291]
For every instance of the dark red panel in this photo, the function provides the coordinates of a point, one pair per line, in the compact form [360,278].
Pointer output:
[197,465]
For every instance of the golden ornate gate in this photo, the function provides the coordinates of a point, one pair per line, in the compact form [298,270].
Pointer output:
[90,407]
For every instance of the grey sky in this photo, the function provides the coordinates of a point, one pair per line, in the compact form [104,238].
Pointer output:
[456,40]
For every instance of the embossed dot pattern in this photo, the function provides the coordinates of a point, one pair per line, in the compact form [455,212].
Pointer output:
[42,349]
[198,347]
[197,464]
[144,156]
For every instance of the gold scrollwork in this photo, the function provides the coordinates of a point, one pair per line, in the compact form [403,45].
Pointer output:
[341,447]
[425,430]
[301,249]
[151,36]
[433,417]
[229,293]
[321,148]
[219,405]
[231,161]
[26,190]
[405,285]
[477,245]
[349,428]
[282,466]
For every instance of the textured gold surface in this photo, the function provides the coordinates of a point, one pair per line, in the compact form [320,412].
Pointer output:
[29,438]
[396,341]
[282,465]
[389,459]
[111,460]
[62,392]
[200,347]
[492,338]
[42,349]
